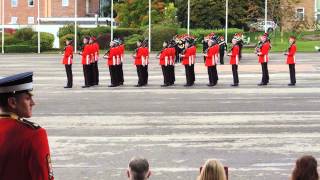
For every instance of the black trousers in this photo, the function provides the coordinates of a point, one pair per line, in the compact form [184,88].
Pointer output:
[113,75]
[213,75]
[95,73]
[292,69]
[165,73]
[190,76]
[265,73]
[235,74]
[120,73]
[221,53]
[172,76]
[68,68]
[143,75]
[87,75]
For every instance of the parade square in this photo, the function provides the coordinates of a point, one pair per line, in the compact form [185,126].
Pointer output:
[258,132]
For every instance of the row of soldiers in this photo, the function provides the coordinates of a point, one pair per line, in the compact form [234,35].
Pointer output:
[179,49]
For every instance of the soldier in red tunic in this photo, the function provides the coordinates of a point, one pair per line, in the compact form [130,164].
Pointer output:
[234,61]
[291,60]
[86,63]
[188,60]
[212,58]
[67,61]
[111,57]
[164,57]
[121,54]
[94,60]
[141,60]
[24,149]
[172,57]
[263,54]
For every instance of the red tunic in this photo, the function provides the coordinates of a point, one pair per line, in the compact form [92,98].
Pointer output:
[263,53]
[142,56]
[112,57]
[68,55]
[122,49]
[164,57]
[291,55]
[96,49]
[86,55]
[234,57]
[212,56]
[172,56]
[189,56]
[25,153]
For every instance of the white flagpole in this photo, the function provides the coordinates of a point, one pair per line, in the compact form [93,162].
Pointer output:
[188,18]
[39,46]
[265,15]
[149,38]
[75,24]
[2,41]
[111,20]
[227,16]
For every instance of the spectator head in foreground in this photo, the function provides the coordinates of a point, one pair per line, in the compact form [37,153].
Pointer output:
[306,169]
[138,169]
[212,170]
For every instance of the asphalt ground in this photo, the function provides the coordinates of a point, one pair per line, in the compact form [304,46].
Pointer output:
[258,132]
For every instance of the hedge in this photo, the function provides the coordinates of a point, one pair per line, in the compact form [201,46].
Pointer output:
[63,39]
[20,48]
[160,34]
[201,33]
[24,34]
[131,41]
[46,40]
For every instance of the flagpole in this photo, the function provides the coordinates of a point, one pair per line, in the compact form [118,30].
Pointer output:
[111,20]
[75,25]
[39,27]
[149,38]
[265,15]
[188,17]
[227,16]
[2,40]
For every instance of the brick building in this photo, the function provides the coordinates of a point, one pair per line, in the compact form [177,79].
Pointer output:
[305,10]
[25,12]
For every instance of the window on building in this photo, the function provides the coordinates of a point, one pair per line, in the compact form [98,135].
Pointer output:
[65,2]
[300,14]
[30,20]
[30,3]
[14,3]
[14,20]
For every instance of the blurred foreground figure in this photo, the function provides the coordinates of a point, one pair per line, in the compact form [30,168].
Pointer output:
[24,153]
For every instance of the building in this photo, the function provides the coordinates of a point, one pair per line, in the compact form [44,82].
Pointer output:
[307,11]
[25,12]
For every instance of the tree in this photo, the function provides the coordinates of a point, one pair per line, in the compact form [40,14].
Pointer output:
[134,13]
[210,14]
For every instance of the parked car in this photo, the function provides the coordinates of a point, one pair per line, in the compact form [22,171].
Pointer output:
[260,26]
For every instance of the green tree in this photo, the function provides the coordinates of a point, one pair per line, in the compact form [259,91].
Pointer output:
[134,13]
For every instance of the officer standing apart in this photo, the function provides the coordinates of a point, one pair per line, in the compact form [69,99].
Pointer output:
[212,56]
[234,61]
[291,60]
[67,61]
[263,54]
[222,49]
[24,153]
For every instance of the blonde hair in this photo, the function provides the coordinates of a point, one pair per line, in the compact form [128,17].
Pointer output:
[212,170]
